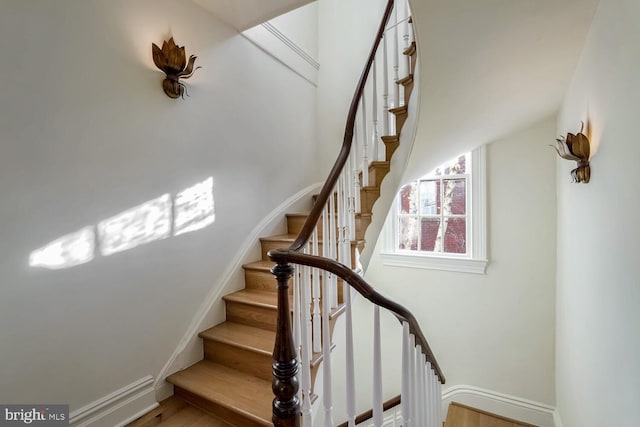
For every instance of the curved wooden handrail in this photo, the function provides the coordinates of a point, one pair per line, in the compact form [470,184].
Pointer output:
[334,175]
[286,406]
[356,281]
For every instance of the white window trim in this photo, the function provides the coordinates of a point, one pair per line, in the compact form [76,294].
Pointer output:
[477,261]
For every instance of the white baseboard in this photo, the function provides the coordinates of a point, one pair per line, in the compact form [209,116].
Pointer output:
[189,349]
[514,407]
[117,408]
[557,421]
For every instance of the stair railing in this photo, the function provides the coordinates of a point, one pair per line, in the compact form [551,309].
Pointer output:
[325,253]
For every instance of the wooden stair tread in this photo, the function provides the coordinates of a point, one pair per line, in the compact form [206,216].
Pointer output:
[280,238]
[398,110]
[292,237]
[405,80]
[236,391]
[191,416]
[410,50]
[390,138]
[261,265]
[247,337]
[256,297]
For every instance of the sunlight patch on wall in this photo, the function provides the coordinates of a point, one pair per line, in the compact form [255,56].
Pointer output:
[67,251]
[136,226]
[192,209]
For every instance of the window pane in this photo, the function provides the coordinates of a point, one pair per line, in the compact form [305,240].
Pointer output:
[456,166]
[455,197]
[429,197]
[409,198]
[455,235]
[408,233]
[429,234]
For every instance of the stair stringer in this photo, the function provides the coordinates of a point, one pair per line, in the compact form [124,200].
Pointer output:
[394,179]
[211,312]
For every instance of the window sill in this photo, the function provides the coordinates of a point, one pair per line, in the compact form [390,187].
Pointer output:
[462,265]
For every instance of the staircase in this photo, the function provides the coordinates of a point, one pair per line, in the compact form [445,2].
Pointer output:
[233,381]
[232,385]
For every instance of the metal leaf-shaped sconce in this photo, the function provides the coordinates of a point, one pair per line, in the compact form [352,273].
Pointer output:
[172,60]
[576,147]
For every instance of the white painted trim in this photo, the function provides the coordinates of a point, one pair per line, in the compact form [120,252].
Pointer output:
[462,265]
[276,44]
[175,362]
[514,407]
[118,408]
[477,262]
[479,203]
[557,421]
[291,45]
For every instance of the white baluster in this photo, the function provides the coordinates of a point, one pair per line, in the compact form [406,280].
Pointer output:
[315,278]
[346,234]
[365,143]
[350,363]
[434,396]
[326,346]
[414,382]
[297,321]
[420,387]
[340,220]
[396,60]
[374,112]
[377,370]
[438,400]
[356,177]
[350,195]
[385,85]
[406,380]
[305,359]
[425,390]
[332,247]
[406,37]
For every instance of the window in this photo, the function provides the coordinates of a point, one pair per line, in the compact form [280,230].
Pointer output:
[438,221]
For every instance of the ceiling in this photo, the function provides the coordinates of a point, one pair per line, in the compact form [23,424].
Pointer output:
[489,68]
[245,14]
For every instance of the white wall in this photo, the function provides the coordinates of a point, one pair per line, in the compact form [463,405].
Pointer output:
[598,279]
[496,331]
[346,33]
[301,26]
[292,39]
[86,133]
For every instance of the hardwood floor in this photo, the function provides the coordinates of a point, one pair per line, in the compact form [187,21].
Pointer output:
[464,416]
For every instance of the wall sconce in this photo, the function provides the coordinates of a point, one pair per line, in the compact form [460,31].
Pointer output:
[172,60]
[576,147]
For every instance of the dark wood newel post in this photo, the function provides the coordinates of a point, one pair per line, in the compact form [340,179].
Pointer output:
[286,407]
